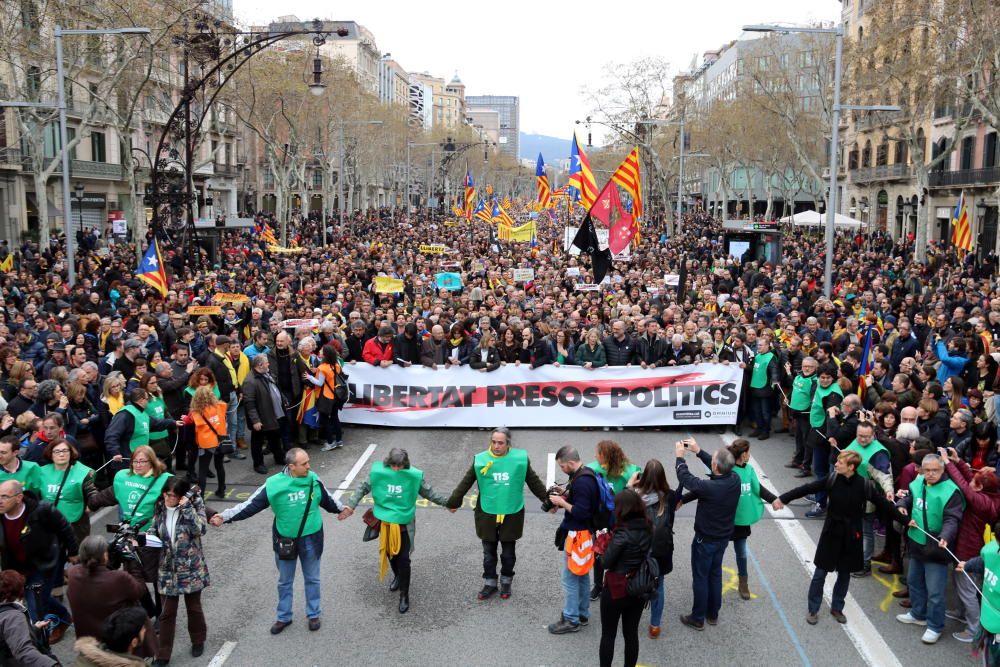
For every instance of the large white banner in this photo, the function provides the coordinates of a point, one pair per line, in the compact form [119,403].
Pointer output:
[566,396]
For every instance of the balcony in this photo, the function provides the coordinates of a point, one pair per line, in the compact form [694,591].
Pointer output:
[105,171]
[889,172]
[225,171]
[10,156]
[945,179]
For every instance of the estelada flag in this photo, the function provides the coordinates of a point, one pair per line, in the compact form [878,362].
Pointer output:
[308,412]
[150,269]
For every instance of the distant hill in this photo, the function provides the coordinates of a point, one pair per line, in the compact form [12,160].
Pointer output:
[551,148]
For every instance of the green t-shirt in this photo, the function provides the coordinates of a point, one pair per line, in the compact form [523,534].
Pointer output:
[617,483]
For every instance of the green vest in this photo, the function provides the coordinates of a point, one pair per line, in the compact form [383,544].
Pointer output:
[817,415]
[802,388]
[129,489]
[750,509]
[288,497]
[931,517]
[618,483]
[157,408]
[501,481]
[866,453]
[395,492]
[70,501]
[140,433]
[27,474]
[990,614]
[758,380]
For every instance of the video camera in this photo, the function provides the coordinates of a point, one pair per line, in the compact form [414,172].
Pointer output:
[122,546]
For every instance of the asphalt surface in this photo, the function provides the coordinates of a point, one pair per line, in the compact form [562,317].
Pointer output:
[446,625]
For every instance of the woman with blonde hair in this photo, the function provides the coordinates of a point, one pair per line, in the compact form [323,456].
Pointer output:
[113,393]
[208,414]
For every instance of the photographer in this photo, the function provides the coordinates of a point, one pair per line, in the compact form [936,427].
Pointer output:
[581,500]
[21,642]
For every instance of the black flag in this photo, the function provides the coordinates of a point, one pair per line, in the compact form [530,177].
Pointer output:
[586,241]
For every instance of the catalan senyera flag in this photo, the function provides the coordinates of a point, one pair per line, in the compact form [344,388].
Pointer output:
[628,177]
[308,413]
[470,193]
[500,215]
[457,211]
[267,235]
[581,182]
[544,191]
[150,269]
[961,226]
[7,265]
[482,212]
[505,202]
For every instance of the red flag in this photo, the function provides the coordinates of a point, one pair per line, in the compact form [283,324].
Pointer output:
[608,208]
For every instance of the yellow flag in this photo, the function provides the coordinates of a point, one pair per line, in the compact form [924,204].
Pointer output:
[7,265]
[387,285]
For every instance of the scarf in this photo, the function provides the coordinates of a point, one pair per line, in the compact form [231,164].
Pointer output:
[455,342]
[389,540]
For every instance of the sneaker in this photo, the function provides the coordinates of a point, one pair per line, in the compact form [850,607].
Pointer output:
[279,626]
[816,512]
[930,637]
[908,619]
[328,447]
[314,624]
[338,444]
[861,574]
[811,618]
[584,620]
[563,627]
[955,615]
[964,636]
[691,623]
[238,455]
[488,591]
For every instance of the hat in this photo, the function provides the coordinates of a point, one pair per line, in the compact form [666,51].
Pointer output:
[58,347]
[223,340]
[62,305]
[890,319]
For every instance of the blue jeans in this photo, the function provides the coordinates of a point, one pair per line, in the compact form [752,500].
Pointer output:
[868,538]
[821,468]
[310,553]
[39,600]
[740,547]
[706,582]
[927,582]
[656,604]
[232,417]
[839,590]
[576,590]
[761,412]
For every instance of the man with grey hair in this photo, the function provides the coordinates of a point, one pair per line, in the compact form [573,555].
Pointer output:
[717,499]
[500,472]
[266,410]
[295,495]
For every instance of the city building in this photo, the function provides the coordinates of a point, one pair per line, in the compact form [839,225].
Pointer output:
[393,82]
[508,108]
[486,123]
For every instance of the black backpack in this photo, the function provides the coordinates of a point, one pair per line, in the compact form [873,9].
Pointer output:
[662,547]
[642,583]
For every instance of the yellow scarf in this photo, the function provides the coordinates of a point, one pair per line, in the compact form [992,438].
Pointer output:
[115,404]
[389,540]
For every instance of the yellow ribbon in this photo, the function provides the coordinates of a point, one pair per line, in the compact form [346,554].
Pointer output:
[389,540]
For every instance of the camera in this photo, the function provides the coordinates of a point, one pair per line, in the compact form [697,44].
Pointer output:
[121,548]
[554,490]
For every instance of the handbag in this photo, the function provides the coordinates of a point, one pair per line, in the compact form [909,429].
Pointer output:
[373,526]
[225,446]
[601,542]
[288,548]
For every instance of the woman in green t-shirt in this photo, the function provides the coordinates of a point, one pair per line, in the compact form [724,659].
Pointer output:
[68,485]
[748,511]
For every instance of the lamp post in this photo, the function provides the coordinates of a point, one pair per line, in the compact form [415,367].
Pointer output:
[78,190]
[831,209]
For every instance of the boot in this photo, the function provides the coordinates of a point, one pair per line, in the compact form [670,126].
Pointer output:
[744,589]
[882,557]
[241,443]
[404,591]
[394,584]
[505,591]
[489,589]
[892,568]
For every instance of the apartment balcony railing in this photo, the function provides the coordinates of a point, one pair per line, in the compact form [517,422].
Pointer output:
[944,179]
[84,169]
[889,172]
[10,155]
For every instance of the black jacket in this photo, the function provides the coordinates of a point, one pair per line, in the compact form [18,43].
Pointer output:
[717,500]
[679,357]
[119,431]
[653,352]
[258,401]
[407,349]
[47,536]
[843,429]
[492,359]
[630,542]
[291,384]
[223,378]
[619,353]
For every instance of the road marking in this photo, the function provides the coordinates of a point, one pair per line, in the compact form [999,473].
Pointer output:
[223,655]
[359,464]
[892,583]
[859,628]
[550,472]
[777,605]
[732,582]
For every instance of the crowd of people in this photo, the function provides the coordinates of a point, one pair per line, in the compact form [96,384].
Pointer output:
[113,394]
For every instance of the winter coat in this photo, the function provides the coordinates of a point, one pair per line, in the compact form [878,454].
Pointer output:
[597,357]
[619,353]
[182,561]
[90,653]
[296,368]
[17,643]
[981,510]
[840,544]
[653,352]
[375,351]
[487,528]
[259,403]
[46,536]
[629,545]
[492,359]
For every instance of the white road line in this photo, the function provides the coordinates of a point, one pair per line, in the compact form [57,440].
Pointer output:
[862,632]
[223,655]
[346,484]
[550,471]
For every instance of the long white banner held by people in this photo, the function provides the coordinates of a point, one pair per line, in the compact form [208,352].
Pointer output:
[566,396]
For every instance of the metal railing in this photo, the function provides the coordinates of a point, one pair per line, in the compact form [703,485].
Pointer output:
[886,172]
[10,155]
[943,179]
[82,168]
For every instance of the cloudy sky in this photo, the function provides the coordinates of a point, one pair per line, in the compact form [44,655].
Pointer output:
[544,52]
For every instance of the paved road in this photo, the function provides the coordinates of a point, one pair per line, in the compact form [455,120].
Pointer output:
[448,626]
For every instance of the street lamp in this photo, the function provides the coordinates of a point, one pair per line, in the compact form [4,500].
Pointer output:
[831,209]
[78,190]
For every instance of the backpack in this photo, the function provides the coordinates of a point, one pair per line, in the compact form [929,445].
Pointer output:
[642,583]
[662,547]
[604,514]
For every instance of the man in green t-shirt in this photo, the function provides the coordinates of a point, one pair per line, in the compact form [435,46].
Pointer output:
[295,495]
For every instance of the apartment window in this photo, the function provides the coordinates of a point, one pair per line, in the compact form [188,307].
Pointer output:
[229,154]
[990,151]
[900,152]
[93,92]
[968,148]
[34,81]
[866,155]
[98,150]
[215,151]
[268,178]
[51,142]
[29,16]
[70,136]
[882,154]
[317,178]
[852,158]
